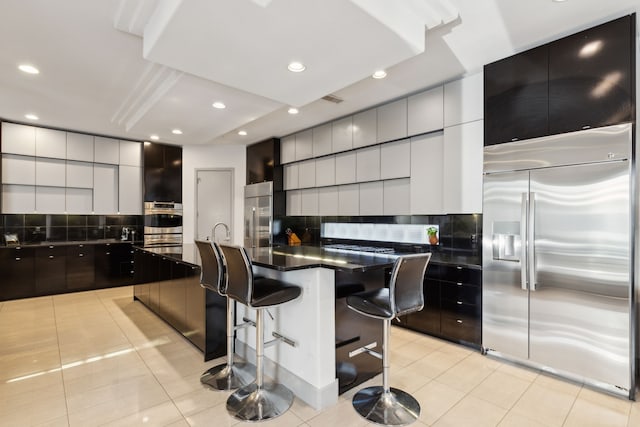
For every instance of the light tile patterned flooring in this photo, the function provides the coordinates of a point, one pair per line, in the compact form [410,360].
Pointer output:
[99,358]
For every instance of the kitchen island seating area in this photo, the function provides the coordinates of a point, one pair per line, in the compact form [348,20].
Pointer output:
[386,405]
[231,374]
[259,400]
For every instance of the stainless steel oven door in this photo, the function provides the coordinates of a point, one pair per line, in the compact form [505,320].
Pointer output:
[151,240]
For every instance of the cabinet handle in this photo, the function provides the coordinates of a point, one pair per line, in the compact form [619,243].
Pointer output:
[459,302]
[18,259]
[459,283]
[514,139]
[458,267]
[586,127]
[458,321]
[50,256]
[81,255]
[108,253]
[82,246]
[50,247]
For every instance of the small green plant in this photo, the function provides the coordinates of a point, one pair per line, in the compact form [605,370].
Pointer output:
[432,231]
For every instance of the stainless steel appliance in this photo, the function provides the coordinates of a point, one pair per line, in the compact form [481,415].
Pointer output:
[162,224]
[557,255]
[258,214]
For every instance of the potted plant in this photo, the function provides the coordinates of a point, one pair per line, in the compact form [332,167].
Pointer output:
[432,232]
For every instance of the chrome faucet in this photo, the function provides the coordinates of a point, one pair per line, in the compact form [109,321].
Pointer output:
[226,227]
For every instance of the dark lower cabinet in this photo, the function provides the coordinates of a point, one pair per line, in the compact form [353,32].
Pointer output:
[80,267]
[113,264]
[18,278]
[51,269]
[453,304]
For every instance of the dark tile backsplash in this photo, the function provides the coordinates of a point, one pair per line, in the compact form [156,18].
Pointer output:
[36,228]
[460,235]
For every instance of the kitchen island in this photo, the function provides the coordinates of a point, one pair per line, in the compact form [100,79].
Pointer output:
[318,368]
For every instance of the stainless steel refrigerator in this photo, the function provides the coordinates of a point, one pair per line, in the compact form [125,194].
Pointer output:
[558,222]
[258,214]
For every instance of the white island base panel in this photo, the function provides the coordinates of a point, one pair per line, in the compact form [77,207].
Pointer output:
[309,368]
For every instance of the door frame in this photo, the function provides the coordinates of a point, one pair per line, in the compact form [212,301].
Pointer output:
[232,202]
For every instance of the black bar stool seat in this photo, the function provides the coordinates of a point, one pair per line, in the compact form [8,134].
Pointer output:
[268,292]
[386,405]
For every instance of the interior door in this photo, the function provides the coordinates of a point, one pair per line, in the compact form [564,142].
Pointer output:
[214,203]
[505,302]
[580,280]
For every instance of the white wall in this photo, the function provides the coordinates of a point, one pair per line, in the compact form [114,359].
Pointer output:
[211,157]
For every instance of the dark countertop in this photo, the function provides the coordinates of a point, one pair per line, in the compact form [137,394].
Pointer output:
[71,243]
[286,258]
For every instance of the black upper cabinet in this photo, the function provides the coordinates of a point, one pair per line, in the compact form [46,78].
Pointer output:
[263,158]
[590,77]
[582,81]
[162,173]
[516,97]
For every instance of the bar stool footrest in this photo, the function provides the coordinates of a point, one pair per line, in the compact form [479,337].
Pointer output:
[251,403]
[394,408]
[224,377]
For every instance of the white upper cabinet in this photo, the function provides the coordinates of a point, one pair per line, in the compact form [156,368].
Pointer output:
[18,199]
[463,100]
[51,172]
[395,159]
[106,150]
[371,198]
[463,146]
[79,200]
[346,168]
[79,147]
[307,174]
[425,111]
[392,120]
[130,153]
[304,145]
[309,202]
[79,174]
[365,128]
[426,185]
[349,199]
[18,139]
[105,189]
[51,143]
[290,173]
[288,149]
[368,164]
[328,201]
[325,171]
[397,197]
[322,140]
[130,190]
[342,135]
[18,170]
[51,200]
[294,203]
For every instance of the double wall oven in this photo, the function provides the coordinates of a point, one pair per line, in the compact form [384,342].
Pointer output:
[163,226]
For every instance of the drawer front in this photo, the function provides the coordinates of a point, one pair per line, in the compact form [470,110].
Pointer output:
[461,293]
[51,252]
[80,251]
[458,308]
[460,328]
[461,274]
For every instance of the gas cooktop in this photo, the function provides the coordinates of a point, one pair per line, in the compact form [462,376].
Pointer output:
[367,250]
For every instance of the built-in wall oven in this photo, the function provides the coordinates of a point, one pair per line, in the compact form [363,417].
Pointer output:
[163,225]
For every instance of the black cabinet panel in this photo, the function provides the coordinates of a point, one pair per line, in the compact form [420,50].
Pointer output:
[162,173]
[461,274]
[113,264]
[51,270]
[516,97]
[262,159]
[428,319]
[590,77]
[461,328]
[17,267]
[80,267]
[461,293]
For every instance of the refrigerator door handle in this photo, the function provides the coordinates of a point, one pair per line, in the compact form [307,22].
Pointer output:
[253,228]
[531,256]
[524,206]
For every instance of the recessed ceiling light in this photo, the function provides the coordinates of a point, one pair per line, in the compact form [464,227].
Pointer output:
[559,1]
[176,132]
[293,110]
[31,116]
[30,69]
[296,67]
[242,133]
[154,137]
[219,105]
[147,143]
[380,74]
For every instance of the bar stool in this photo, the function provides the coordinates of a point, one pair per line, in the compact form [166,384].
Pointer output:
[257,401]
[230,375]
[383,404]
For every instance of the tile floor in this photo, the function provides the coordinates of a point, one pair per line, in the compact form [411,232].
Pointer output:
[99,358]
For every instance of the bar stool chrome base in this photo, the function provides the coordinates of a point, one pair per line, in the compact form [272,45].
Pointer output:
[395,408]
[251,403]
[226,377]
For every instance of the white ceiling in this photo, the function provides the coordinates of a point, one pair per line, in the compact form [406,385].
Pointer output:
[132,68]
